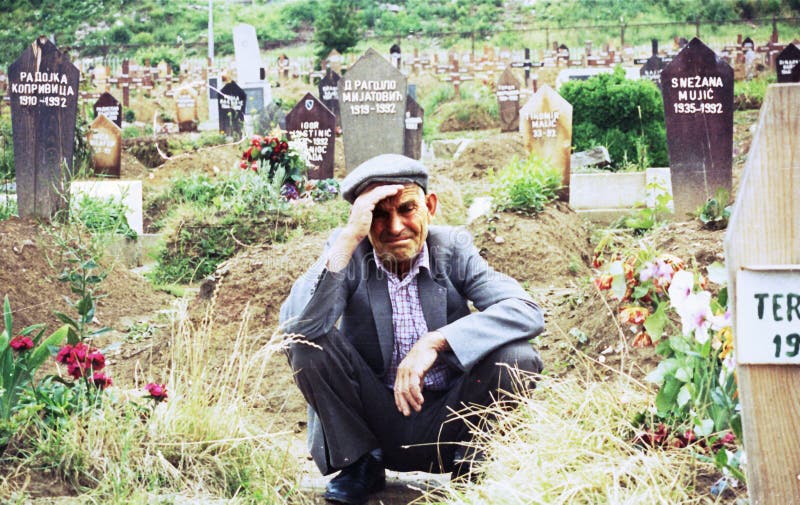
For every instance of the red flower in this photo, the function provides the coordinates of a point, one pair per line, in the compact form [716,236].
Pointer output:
[728,438]
[633,315]
[642,339]
[21,343]
[244,165]
[158,392]
[689,436]
[256,142]
[96,360]
[254,167]
[100,380]
[603,282]
[64,355]
[248,153]
[76,370]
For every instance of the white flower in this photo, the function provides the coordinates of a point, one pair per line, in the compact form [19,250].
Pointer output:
[696,315]
[680,288]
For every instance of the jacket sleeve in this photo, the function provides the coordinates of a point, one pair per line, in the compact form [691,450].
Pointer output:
[505,311]
[317,299]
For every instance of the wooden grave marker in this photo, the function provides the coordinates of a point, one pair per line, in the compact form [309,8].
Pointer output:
[372,98]
[311,121]
[698,107]
[109,107]
[412,141]
[186,109]
[105,138]
[546,126]
[508,101]
[43,91]
[762,251]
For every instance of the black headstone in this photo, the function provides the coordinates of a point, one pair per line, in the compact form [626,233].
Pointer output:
[312,121]
[787,62]
[652,68]
[508,101]
[372,98]
[329,93]
[110,107]
[748,44]
[698,105]
[231,107]
[412,143]
[43,88]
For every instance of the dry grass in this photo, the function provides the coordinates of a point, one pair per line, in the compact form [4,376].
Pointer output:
[205,444]
[569,442]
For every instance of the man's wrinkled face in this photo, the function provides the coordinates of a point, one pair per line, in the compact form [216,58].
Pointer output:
[400,227]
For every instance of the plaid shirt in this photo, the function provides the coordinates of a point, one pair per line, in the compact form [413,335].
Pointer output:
[409,323]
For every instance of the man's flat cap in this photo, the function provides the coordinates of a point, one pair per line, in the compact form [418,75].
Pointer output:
[384,168]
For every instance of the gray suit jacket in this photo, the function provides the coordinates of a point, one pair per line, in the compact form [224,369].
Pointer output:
[358,299]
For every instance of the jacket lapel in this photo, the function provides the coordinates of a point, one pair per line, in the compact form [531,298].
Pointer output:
[381,305]
[433,298]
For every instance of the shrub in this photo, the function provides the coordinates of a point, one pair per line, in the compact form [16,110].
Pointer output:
[625,116]
[6,149]
[525,185]
[750,94]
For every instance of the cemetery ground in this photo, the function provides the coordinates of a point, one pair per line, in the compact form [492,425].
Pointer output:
[233,426]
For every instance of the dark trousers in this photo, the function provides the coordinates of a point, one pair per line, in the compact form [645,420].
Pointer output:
[358,414]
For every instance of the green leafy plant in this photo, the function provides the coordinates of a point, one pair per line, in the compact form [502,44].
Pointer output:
[664,303]
[525,185]
[20,357]
[627,117]
[102,215]
[646,218]
[714,214]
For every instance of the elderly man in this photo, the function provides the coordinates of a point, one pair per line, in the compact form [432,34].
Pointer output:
[397,349]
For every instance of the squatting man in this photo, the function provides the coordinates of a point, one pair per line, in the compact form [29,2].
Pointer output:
[396,347]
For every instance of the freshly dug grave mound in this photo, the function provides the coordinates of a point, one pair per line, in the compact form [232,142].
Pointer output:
[690,241]
[550,249]
[30,279]
[465,115]
[495,152]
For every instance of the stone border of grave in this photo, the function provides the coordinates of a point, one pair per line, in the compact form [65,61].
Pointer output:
[604,197]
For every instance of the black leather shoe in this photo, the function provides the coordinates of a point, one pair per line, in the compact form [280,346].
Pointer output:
[355,483]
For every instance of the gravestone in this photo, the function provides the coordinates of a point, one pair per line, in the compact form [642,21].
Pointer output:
[248,57]
[186,109]
[508,100]
[249,70]
[311,121]
[105,138]
[546,126]
[787,61]
[412,142]
[231,106]
[109,107]
[329,92]
[652,68]
[43,90]
[372,98]
[334,60]
[698,107]
[748,44]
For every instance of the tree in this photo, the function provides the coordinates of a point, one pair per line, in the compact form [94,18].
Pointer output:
[338,26]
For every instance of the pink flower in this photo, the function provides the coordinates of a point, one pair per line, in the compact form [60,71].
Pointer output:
[100,380]
[658,270]
[97,360]
[64,355]
[696,315]
[158,392]
[680,288]
[21,343]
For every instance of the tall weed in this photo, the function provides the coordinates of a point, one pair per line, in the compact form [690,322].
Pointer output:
[525,185]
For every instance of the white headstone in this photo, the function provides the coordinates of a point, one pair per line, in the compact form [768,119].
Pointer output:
[248,57]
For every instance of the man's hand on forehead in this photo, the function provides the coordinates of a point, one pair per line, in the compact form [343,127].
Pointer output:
[361,213]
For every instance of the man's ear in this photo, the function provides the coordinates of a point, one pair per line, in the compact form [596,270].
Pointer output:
[431,201]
